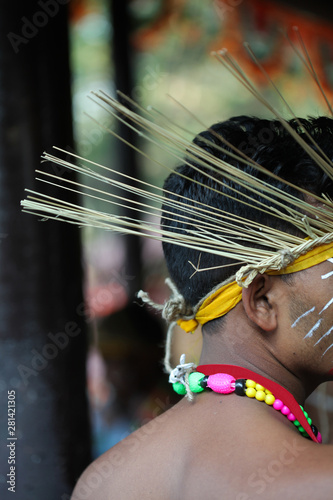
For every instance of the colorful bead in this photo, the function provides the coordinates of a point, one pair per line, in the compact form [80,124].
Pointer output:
[203,382]
[260,395]
[285,410]
[250,392]
[277,405]
[269,399]
[314,429]
[179,388]
[194,380]
[240,387]
[224,383]
[221,383]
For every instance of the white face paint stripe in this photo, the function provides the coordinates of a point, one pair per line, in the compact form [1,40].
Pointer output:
[327,305]
[325,335]
[313,329]
[327,350]
[325,276]
[303,316]
[330,260]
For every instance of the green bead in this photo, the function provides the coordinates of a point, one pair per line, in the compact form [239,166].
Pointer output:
[296,422]
[301,429]
[194,381]
[306,414]
[309,420]
[179,388]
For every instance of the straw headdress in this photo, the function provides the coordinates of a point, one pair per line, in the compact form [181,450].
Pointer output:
[277,249]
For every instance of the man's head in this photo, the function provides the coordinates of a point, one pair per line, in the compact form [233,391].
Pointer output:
[270,145]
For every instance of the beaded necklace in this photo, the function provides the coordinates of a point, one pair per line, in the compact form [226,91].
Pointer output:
[225,379]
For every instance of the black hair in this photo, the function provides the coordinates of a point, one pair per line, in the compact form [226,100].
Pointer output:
[268,143]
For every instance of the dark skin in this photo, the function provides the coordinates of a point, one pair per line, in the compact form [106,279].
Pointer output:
[227,446]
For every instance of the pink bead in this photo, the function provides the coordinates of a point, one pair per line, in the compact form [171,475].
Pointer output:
[285,410]
[320,439]
[291,417]
[277,405]
[221,382]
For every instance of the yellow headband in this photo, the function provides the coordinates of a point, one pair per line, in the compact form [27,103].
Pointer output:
[225,298]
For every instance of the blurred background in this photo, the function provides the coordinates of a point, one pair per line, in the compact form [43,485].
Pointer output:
[83,358]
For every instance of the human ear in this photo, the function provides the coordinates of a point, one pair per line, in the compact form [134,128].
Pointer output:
[258,302]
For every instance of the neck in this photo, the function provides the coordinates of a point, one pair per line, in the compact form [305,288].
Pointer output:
[229,348]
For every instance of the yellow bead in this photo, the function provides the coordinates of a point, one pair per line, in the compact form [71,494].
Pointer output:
[269,399]
[267,391]
[260,395]
[259,387]
[250,392]
[250,383]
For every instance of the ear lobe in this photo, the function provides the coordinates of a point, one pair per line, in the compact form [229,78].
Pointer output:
[258,303]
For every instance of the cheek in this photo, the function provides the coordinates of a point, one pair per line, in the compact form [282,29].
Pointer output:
[301,311]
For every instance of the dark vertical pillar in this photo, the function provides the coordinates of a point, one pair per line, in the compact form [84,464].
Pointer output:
[123,70]
[42,330]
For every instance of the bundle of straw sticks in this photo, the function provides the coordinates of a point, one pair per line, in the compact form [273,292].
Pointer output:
[205,236]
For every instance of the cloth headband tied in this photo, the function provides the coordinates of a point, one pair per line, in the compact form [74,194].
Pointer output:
[228,296]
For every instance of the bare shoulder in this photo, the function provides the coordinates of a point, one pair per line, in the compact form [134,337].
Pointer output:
[137,467]
[294,468]
[197,450]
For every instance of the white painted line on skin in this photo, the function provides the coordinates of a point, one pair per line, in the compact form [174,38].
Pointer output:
[325,335]
[325,276]
[313,329]
[327,305]
[303,316]
[327,350]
